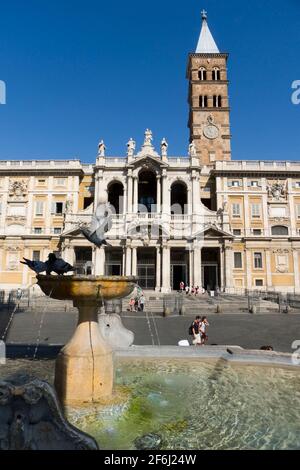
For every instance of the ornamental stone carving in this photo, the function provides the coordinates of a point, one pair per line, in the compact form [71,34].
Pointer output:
[17,189]
[277,191]
[31,419]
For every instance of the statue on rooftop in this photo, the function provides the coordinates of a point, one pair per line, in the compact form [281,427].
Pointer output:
[192,149]
[131,145]
[164,147]
[148,137]
[101,149]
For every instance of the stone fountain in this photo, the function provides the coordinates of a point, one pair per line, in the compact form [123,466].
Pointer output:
[84,367]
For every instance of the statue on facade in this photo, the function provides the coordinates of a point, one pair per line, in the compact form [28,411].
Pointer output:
[69,206]
[148,137]
[192,149]
[131,145]
[101,149]
[164,147]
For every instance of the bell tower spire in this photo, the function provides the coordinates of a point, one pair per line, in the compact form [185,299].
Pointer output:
[209,117]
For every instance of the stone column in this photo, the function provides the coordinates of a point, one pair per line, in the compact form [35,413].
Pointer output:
[135,194]
[158,194]
[222,265]
[129,193]
[229,268]
[158,269]
[128,261]
[166,271]
[295,253]
[191,268]
[99,261]
[292,214]
[268,270]
[68,254]
[197,267]
[166,202]
[123,261]
[249,268]
[134,261]
[247,216]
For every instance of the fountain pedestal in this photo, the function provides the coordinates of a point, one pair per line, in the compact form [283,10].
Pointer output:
[84,367]
[85,360]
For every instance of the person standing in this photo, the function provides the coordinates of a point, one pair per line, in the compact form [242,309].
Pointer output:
[202,330]
[142,303]
[181,286]
[196,332]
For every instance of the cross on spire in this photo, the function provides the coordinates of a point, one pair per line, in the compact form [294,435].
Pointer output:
[204,14]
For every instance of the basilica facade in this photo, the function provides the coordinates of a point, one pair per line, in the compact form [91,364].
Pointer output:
[201,218]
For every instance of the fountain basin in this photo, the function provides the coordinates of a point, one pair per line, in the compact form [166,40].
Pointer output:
[86,287]
[248,400]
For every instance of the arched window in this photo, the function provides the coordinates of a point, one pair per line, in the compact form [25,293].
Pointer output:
[280,230]
[116,196]
[217,101]
[179,198]
[202,74]
[203,103]
[216,74]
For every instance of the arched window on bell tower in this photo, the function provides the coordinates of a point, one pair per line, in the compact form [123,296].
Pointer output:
[217,101]
[202,74]
[203,102]
[216,74]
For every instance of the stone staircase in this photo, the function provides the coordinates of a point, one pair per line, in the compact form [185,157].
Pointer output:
[202,305]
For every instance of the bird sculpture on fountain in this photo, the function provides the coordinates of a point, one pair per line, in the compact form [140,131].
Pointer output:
[53,264]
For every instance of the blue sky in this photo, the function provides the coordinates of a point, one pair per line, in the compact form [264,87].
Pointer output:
[77,71]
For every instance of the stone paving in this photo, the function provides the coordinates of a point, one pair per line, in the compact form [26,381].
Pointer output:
[245,330]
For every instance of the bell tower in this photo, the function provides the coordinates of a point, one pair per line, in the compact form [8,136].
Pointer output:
[209,116]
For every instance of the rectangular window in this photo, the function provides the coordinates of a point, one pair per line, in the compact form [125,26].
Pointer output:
[237,232]
[259,282]
[60,181]
[257,232]
[39,208]
[57,208]
[258,261]
[235,184]
[238,261]
[255,211]
[57,230]
[36,255]
[41,182]
[254,184]
[37,230]
[236,210]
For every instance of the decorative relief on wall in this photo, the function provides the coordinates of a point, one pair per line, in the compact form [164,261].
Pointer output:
[281,260]
[17,190]
[277,190]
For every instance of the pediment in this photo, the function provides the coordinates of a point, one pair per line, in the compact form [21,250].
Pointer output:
[148,161]
[213,231]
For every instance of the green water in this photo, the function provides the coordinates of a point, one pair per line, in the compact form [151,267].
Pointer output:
[192,405]
[196,405]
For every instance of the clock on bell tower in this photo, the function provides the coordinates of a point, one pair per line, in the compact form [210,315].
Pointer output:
[209,116]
